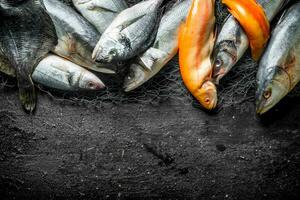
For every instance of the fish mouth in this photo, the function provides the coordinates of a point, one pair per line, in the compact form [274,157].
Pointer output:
[260,107]
[135,78]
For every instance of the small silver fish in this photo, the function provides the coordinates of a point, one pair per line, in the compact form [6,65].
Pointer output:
[76,37]
[59,73]
[100,13]
[162,51]
[131,33]
[279,68]
[232,42]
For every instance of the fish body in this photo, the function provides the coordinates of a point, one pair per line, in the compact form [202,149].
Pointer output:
[232,42]
[162,51]
[76,37]
[196,41]
[252,18]
[100,13]
[279,68]
[130,34]
[27,34]
[59,73]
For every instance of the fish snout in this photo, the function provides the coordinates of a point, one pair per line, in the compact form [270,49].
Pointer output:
[207,95]
[135,78]
[89,81]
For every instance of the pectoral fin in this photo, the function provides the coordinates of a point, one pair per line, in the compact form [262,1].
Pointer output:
[151,56]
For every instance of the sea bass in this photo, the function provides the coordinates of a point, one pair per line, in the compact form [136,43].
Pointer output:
[59,73]
[162,51]
[76,37]
[130,34]
[232,42]
[196,42]
[100,13]
[279,68]
[26,35]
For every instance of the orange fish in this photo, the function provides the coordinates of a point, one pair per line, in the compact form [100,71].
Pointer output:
[196,42]
[252,18]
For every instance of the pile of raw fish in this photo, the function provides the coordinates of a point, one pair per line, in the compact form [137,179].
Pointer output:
[49,43]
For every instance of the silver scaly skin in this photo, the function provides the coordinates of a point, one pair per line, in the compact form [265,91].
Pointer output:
[279,68]
[76,37]
[59,73]
[130,34]
[232,42]
[100,13]
[162,51]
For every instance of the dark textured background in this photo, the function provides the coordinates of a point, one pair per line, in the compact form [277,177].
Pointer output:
[154,143]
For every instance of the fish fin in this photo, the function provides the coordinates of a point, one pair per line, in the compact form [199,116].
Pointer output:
[27,94]
[101,5]
[282,16]
[6,68]
[150,56]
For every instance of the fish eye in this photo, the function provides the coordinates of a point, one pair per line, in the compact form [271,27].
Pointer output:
[207,100]
[91,85]
[113,52]
[219,63]
[267,94]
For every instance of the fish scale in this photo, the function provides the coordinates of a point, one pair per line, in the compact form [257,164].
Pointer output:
[162,51]
[227,55]
[279,68]
[131,33]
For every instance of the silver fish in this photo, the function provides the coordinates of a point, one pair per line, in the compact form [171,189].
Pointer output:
[279,68]
[100,13]
[232,42]
[162,51]
[59,73]
[26,36]
[131,33]
[76,37]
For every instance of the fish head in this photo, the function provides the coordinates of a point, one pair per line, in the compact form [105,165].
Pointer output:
[89,81]
[207,95]
[273,85]
[109,50]
[224,59]
[136,77]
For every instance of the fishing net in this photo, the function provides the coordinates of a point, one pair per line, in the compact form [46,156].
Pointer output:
[167,86]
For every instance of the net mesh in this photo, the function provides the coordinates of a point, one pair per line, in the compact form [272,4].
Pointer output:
[237,87]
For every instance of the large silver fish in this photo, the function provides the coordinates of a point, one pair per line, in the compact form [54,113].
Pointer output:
[162,51]
[26,36]
[100,13]
[130,34]
[59,73]
[279,68]
[232,41]
[76,37]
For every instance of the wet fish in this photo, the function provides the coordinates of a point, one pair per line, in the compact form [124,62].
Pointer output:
[76,37]
[59,73]
[232,42]
[100,13]
[279,68]
[26,36]
[162,51]
[196,42]
[131,33]
[251,16]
